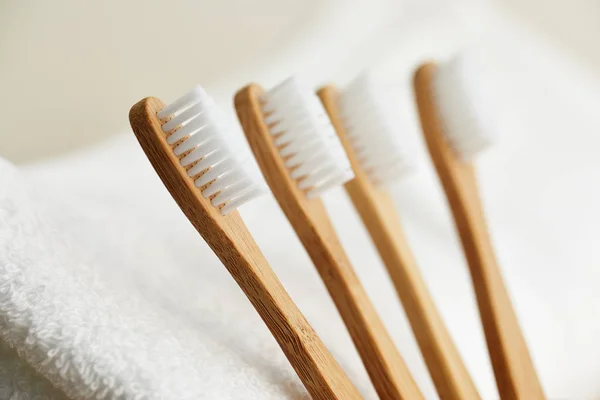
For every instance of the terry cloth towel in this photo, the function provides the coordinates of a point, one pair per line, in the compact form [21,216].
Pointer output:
[111,294]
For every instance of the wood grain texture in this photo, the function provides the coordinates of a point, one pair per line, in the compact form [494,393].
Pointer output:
[229,238]
[514,370]
[385,366]
[377,211]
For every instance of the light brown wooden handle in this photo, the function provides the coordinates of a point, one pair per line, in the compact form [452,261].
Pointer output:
[516,377]
[443,360]
[320,373]
[378,213]
[229,238]
[385,366]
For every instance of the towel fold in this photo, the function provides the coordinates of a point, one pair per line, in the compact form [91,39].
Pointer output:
[79,332]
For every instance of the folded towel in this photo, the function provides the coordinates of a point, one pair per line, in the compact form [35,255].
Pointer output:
[79,332]
[102,307]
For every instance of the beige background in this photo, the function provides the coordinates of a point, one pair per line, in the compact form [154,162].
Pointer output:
[69,68]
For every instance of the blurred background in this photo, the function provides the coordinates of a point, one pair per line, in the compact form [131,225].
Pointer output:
[78,66]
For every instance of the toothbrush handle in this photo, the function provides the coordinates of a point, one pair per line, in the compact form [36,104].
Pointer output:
[386,367]
[516,377]
[322,376]
[229,238]
[443,360]
[378,213]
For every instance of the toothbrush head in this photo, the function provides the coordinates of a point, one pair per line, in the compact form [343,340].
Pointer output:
[304,137]
[206,145]
[382,148]
[462,90]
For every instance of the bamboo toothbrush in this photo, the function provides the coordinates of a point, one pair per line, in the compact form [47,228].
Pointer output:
[301,157]
[378,153]
[191,148]
[452,112]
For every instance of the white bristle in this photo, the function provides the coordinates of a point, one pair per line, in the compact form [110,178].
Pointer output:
[462,92]
[383,149]
[305,137]
[212,147]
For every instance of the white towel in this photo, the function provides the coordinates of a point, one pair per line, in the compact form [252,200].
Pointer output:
[108,292]
[81,332]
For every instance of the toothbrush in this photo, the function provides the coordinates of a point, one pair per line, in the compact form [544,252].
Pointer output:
[191,148]
[378,154]
[301,157]
[452,112]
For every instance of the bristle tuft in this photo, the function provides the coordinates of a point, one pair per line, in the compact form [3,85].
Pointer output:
[207,147]
[383,149]
[462,95]
[305,137]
